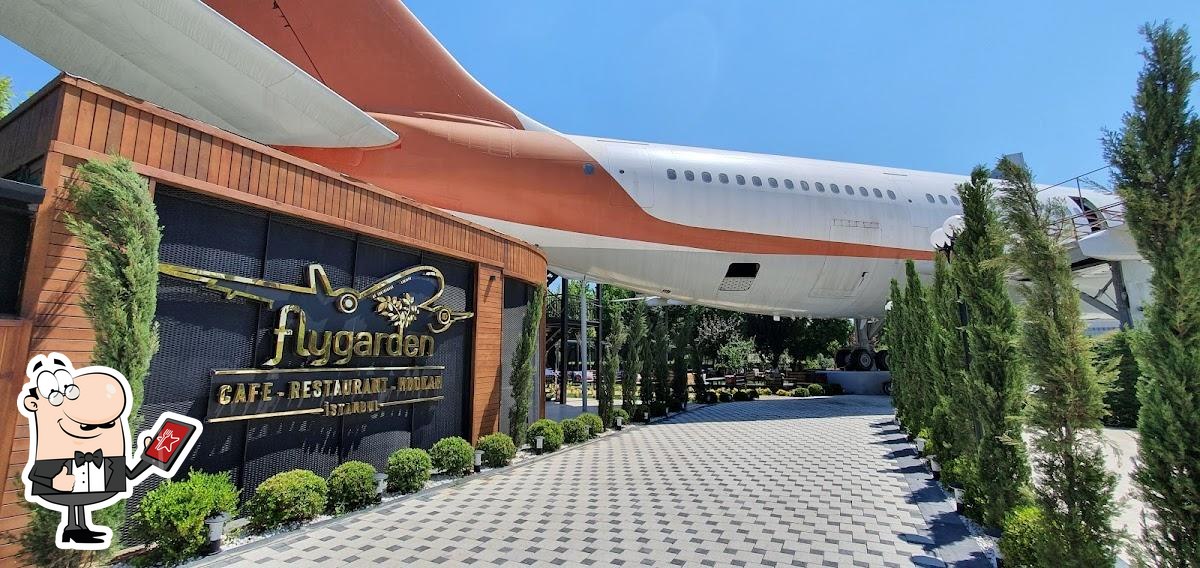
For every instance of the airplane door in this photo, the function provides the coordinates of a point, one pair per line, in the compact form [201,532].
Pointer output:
[629,164]
[844,277]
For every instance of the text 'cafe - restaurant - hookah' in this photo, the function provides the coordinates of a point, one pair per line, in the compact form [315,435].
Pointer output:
[265,260]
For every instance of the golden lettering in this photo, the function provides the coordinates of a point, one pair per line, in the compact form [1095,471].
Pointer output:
[223,394]
[342,341]
[362,343]
[321,350]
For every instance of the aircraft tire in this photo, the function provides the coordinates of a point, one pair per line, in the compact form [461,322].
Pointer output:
[861,360]
[883,360]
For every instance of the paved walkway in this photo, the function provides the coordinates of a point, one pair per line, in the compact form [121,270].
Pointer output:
[800,482]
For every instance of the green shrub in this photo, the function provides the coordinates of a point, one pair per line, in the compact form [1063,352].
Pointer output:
[172,514]
[593,421]
[724,396]
[1022,540]
[351,486]
[741,396]
[453,455]
[816,390]
[408,469]
[763,391]
[710,397]
[833,389]
[288,497]
[574,431]
[752,394]
[658,408]
[800,391]
[782,392]
[550,431]
[498,449]
[623,414]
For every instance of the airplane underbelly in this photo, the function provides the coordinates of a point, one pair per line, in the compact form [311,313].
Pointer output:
[789,285]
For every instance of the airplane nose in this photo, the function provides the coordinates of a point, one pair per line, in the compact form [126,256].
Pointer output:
[101,399]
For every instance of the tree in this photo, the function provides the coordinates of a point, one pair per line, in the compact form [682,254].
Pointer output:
[771,337]
[1074,490]
[521,377]
[919,335]
[684,336]
[993,374]
[897,339]
[1156,160]
[662,360]
[615,336]
[814,337]
[117,224]
[6,95]
[952,410]
[736,354]
[717,328]
[633,358]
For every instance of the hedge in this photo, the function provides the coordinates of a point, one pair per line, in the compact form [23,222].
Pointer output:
[172,514]
[453,455]
[351,486]
[408,470]
[498,449]
[288,497]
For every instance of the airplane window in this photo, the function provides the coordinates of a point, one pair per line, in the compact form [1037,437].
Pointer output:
[671,174]
[929,197]
[891,194]
[878,193]
[589,169]
[955,200]
[707,177]
[757,181]
[834,188]
[862,191]
[724,178]
[773,182]
[942,198]
[741,179]
[804,185]
[788,184]
[689,175]
[820,188]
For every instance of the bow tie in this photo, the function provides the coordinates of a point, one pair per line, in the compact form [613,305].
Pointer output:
[95,457]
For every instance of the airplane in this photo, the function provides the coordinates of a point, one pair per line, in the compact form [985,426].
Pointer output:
[755,233]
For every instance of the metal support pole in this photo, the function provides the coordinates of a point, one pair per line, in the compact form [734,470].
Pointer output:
[583,340]
[1121,295]
[599,341]
[563,341]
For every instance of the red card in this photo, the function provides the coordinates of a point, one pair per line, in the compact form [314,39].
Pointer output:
[169,441]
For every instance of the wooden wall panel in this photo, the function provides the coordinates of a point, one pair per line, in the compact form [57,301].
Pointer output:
[487,371]
[25,133]
[14,436]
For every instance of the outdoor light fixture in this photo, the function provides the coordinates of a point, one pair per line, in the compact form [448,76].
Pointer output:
[216,532]
[920,445]
[537,443]
[935,468]
[478,460]
[954,226]
[959,497]
[380,484]
[620,423]
[939,239]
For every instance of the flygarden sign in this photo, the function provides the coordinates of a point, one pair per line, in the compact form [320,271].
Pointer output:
[325,341]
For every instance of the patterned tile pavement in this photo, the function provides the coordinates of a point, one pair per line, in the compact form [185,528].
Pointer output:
[773,482]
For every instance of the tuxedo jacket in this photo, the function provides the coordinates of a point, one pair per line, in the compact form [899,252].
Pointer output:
[42,475]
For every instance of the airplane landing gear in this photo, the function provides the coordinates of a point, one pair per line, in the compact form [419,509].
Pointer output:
[862,358]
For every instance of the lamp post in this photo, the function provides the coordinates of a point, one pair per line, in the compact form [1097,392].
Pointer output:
[537,443]
[478,460]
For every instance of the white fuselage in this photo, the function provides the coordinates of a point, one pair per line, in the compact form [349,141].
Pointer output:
[766,195]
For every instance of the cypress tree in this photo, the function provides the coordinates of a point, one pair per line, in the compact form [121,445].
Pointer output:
[918,325]
[612,361]
[993,374]
[1156,163]
[521,376]
[683,343]
[895,336]
[1074,490]
[649,347]
[633,356]
[950,411]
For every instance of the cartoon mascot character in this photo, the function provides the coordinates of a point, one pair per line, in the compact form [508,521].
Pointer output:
[79,439]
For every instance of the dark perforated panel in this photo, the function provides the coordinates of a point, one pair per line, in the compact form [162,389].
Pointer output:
[201,330]
[516,301]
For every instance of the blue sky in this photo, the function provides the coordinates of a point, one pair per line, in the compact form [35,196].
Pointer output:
[925,85]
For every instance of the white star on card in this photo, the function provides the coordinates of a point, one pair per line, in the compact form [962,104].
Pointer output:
[166,441]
